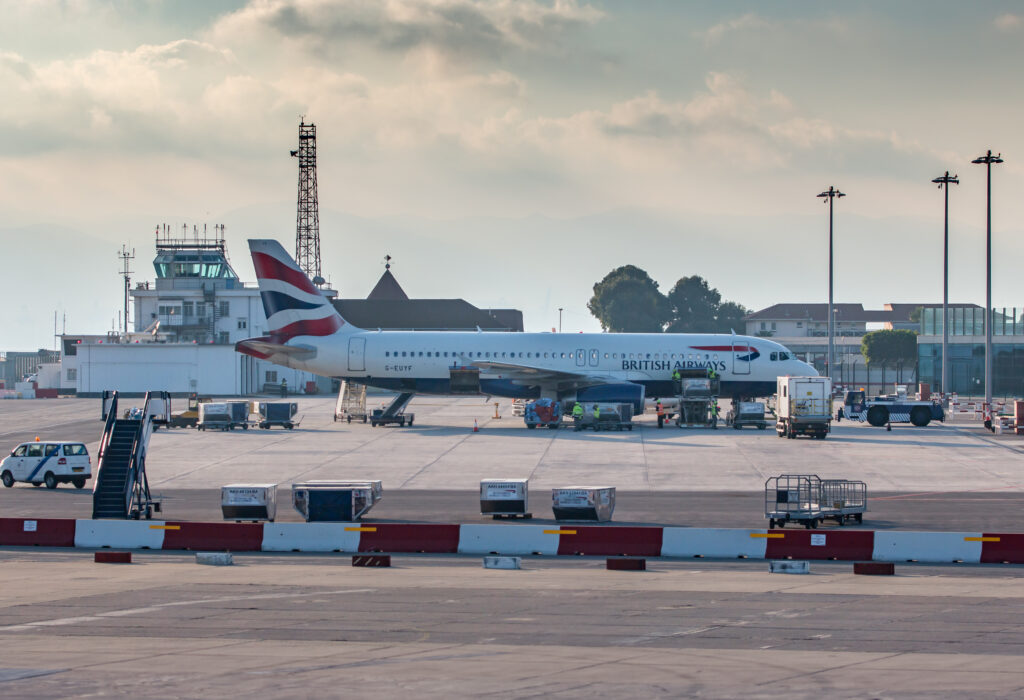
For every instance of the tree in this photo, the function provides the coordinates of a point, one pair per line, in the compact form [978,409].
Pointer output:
[697,307]
[627,300]
[889,348]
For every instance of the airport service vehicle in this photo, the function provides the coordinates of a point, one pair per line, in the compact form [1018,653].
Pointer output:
[49,463]
[306,332]
[747,413]
[543,412]
[807,499]
[804,407]
[894,408]
[188,418]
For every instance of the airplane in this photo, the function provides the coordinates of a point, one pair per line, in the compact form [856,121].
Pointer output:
[306,332]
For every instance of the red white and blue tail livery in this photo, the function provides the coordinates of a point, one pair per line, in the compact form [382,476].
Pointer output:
[305,331]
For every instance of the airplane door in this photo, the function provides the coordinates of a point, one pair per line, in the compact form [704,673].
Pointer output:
[593,357]
[581,358]
[740,349]
[357,354]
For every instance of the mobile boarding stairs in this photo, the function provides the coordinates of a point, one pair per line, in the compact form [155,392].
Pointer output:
[121,488]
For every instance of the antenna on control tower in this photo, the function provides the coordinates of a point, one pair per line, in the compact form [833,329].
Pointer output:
[307,224]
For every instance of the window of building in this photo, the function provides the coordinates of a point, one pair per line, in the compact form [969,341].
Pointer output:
[799,324]
[225,308]
[271,376]
[223,338]
[72,374]
[242,324]
[187,308]
[773,325]
[764,325]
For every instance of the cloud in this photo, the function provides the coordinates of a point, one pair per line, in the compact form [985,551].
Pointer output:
[456,28]
[1008,22]
[745,22]
[754,23]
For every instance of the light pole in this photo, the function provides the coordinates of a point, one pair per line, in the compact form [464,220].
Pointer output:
[988,159]
[831,194]
[947,181]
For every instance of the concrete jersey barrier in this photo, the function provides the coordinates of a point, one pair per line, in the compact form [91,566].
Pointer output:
[518,540]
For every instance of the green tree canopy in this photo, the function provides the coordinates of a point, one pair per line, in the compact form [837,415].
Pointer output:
[627,300]
[697,307]
[888,348]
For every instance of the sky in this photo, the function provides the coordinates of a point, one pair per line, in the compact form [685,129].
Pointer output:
[512,152]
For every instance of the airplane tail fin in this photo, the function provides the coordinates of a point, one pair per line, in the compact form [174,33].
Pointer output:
[293,304]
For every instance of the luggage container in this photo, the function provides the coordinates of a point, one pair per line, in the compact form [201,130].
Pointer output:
[611,416]
[239,411]
[583,503]
[278,413]
[504,498]
[249,502]
[323,503]
[376,486]
[214,416]
[543,412]
[808,500]
[747,413]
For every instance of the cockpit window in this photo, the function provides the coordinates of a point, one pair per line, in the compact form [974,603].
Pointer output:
[774,356]
[783,355]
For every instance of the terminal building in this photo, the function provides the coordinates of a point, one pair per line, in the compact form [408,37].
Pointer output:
[187,321]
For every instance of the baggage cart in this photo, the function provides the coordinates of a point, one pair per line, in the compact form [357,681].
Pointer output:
[504,498]
[583,503]
[239,411]
[809,500]
[254,502]
[380,416]
[611,416]
[277,413]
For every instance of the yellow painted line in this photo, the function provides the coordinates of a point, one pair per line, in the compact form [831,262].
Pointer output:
[768,535]
[981,539]
[360,529]
[165,527]
[559,532]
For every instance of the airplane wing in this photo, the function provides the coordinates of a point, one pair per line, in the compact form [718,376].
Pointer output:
[529,375]
[279,354]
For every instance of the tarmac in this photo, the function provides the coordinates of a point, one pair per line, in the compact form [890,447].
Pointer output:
[439,626]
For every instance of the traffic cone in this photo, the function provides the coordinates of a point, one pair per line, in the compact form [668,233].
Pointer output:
[476,428]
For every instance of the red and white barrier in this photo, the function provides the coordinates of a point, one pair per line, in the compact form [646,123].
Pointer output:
[514,539]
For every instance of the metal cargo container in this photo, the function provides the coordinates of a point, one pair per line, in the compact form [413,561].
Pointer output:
[595,503]
[249,501]
[239,414]
[325,503]
[504,498]
[214,416]
[376,486]
[279,413]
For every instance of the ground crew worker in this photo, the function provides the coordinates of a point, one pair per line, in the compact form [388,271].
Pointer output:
[284,387]
[577,413]
[714,413]
[597,413]
[712,374]
[661,414]
[676,376]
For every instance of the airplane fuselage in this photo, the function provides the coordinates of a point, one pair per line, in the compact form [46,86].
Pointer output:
[422,361]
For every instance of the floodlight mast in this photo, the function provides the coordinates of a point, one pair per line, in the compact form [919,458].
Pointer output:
[988,160]
[831,194]
[944,181]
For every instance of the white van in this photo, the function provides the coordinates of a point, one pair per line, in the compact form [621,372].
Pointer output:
[49,463]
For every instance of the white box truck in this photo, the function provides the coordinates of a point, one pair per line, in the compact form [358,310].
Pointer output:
[803,407]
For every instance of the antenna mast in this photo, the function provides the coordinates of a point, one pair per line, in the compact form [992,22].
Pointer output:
[126,259]
[307,224]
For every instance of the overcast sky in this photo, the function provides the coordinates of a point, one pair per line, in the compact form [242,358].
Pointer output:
[512,152]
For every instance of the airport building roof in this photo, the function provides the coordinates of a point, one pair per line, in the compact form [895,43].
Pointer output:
[891,313]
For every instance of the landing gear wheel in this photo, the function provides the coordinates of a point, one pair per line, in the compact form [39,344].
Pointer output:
[8,479]
[531,426]
[878,416]
[50,480]
[78,483]
[920,416]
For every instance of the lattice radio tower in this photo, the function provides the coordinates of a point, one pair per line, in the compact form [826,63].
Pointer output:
[307,223]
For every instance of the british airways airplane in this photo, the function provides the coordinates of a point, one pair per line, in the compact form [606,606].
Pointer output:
[306,332]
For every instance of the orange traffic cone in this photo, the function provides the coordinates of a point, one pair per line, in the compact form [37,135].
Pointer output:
[476,428]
